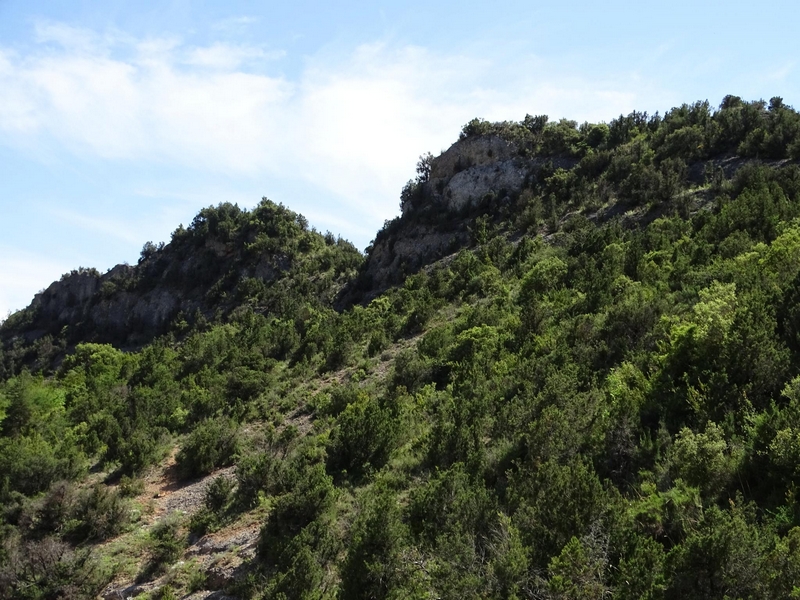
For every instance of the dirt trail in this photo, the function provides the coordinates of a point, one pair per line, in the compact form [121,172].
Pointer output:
[166,493]
[221,555]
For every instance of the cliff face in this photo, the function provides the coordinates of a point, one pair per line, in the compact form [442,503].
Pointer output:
[477,167]
[487,175]
[129,304]
[479,174]
[112,307]
[202,272]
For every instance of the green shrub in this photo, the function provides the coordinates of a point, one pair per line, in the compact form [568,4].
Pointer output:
[49,568]
[410,370]
[143,448]
[340,397]
[373,567]
[255,473]
[218,494]
[363,438]
[378,342]
[100,513]
[130,487]
[165,592]
[212,444]
[31,464]
[312,495]
[166,542]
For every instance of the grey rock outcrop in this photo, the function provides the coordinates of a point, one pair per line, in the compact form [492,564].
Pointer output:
[472,174]
[198,277]
[104,304]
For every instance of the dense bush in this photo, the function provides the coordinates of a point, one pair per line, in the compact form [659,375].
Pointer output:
[49,568]
[211,444]
[99,514]
[166,543]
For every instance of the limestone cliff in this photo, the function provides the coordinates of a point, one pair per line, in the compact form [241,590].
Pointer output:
[482,174]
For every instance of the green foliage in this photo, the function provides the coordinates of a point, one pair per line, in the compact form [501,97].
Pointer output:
[641,571]
[607,410]
[554,504]
[49,568]
[30,464]
[256,473]
[578,572]
[166,543]
[100,514]
[129,487]
[703,460]
[362,439]
[211,444]
[37,447]
[373,567]
[143,448]
[721,558]
[296,538]
[451,503]
[216,504]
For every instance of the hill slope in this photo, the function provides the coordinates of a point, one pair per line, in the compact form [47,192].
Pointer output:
[581,381]
[226,259]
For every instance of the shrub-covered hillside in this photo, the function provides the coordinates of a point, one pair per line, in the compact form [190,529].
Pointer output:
[530,176]
[228,259]
[595,394]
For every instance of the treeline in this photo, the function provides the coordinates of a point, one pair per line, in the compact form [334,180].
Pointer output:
[692,131]
[228,258]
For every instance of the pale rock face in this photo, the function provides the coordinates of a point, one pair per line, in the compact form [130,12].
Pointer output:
[461,178]
[472,168]
[127,310]
[467,188]
[473,151]
[67,297]
[409,253]
[64,301]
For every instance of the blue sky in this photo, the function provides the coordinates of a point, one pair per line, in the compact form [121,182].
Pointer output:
[120,120]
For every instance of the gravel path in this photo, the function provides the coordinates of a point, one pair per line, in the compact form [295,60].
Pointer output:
[166,493]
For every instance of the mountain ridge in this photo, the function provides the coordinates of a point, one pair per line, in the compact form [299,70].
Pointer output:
[485,172]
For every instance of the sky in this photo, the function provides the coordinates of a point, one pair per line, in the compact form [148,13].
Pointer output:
[119,120]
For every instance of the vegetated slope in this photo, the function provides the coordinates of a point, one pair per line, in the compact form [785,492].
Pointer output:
[528,176]
[598,397]
[226,259]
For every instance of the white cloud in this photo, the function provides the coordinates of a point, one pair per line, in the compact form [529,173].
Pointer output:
[351,125]
[780,72]
[227,57]
[123,231]
[235,24]
[70,38]
[348,125]
[23,274]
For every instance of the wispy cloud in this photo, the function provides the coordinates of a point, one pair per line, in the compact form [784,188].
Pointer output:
[22,274]
[227,57]
[349,125]
[780,72]
[353,124]
[70,38]
[233,24]
[124,231]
